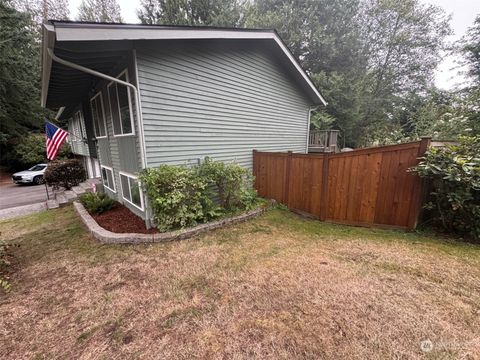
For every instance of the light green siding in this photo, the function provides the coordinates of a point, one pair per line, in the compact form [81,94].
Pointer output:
[218,101]
[121,153]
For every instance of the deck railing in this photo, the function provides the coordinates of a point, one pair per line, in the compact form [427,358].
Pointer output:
[323,141]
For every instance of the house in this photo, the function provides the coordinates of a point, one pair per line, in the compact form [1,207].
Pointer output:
[138,96]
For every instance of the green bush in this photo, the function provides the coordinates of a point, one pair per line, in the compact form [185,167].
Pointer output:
[4,264]
[454,177]
[181,196]
[30,150]
[96,203]
[178,196]
[233,183]
[64,173]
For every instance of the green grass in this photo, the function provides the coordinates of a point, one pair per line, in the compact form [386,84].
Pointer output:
[278,286]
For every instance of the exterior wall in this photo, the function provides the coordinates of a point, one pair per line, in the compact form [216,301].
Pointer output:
[121,153]
[220,101]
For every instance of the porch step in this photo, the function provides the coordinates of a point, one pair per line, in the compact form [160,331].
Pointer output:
[61,199]
[70,195]
[87,187]
[52,204]
[78,190]
[96,181]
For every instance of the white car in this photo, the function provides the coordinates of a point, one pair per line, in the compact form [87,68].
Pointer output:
[34,175]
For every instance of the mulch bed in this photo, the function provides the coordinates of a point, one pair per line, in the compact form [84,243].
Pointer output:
[120,219]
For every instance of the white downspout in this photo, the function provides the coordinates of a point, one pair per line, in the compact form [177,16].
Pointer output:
[137,107]
[110,78]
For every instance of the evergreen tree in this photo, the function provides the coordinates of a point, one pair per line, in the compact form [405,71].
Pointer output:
[42,10]
[20,109]
[366,56]
[470,49]
[99,11]
[190,12]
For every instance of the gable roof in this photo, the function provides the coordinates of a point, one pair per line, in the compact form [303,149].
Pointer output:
[71,31]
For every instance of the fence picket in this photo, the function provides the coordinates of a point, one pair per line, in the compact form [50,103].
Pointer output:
[369,187]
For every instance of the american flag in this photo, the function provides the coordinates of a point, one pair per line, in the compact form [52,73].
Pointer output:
[55,139]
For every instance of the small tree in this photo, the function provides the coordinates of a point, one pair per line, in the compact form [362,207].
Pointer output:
[234,184]
[64,174]
[99,11]
[30,150]
[454,175]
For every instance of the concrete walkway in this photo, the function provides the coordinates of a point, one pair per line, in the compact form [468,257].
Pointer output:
[22,210]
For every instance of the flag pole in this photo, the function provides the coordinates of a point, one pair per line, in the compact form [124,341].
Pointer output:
[46,189]
[69,134]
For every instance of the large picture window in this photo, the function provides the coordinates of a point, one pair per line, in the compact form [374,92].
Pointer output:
[107,177]
[98,116]
[131,190]
[121,106]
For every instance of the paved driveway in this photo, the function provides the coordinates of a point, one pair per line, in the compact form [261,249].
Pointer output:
[12,195]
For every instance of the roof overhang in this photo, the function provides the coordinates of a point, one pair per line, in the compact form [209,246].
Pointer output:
[69,32]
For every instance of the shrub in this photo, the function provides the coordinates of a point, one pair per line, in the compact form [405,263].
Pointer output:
[30,150]
[96,203]
[178,196]
[234,184]
[454,176]
[64,173]
[4,264]
[181,196]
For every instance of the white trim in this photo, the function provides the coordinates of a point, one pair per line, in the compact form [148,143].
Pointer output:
[130,176]
[59,112]
[96,167]
[114,190]
[138,109]
[105,32]
[81,124]
[107,77]
[132,122]
[103,115]
[89,167]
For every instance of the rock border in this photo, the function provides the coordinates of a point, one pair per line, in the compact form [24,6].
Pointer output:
[107,237]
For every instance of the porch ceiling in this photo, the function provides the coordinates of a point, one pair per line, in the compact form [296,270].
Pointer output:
[68,87]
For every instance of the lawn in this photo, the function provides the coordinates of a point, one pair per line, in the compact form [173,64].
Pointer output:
[277,287]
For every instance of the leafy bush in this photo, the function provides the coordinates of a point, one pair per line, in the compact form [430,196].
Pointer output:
[454,176]
[64,173]
[96,203]
[178,196]
[4,264]
[30,150]
[233,183]
[181,196]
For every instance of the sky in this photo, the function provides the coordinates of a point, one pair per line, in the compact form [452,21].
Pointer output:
[463,14]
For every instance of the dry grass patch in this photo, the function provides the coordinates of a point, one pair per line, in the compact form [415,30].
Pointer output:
[276,287]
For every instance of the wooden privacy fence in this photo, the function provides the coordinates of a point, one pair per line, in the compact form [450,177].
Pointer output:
[368,187]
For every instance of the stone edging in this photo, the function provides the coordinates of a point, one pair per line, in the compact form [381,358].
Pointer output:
[108,237]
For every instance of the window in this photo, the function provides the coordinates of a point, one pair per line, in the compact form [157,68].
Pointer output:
[79,126]
[38,168]
[131,190]
[107,177]
[98,116]
[121,106]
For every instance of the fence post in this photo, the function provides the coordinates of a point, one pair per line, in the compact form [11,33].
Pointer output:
[324,192]
[288,169]
[418,196]
[254,169]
